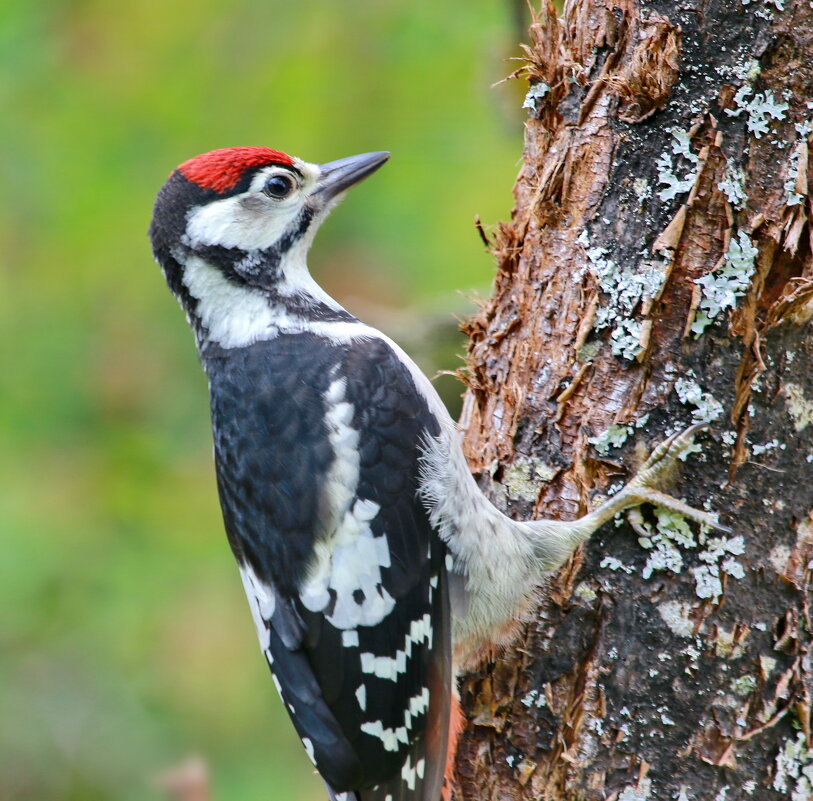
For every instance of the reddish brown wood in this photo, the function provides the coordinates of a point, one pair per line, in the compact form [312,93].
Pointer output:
[606,696]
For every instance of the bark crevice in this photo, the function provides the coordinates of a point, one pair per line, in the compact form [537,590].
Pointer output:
[657,270]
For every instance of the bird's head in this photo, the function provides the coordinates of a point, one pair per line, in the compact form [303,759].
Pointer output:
[241,219]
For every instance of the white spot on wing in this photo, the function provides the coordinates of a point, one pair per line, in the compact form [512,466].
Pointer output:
[389,667]
[387,736]
[309,749]
[408,773]
[350,558]
[261,600]
[361,697]
[416,706]
[350,639]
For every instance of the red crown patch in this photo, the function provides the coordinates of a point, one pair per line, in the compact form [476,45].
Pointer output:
[220,170]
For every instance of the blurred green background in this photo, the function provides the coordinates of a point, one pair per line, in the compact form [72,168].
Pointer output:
[125,640]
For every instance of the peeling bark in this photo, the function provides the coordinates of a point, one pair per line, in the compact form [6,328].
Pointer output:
[656,271]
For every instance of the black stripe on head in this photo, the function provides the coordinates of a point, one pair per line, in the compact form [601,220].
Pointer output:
[259,269]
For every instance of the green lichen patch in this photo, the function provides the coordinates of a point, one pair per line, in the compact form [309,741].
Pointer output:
[792,197]
[611,563]
[535,697]
[639,793]
[744,685]
[521,479]
[760,108]
[680,160]
[733,186]
[676,615]
[623,288]
[799,407]
[534,97]
[584,592]
[718,558]
[722,288]
[672,537]
[614,437]
[774,444]
[706,408]
[793,770]
[671,533]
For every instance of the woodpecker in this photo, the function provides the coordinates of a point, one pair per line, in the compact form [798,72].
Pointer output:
[374,566]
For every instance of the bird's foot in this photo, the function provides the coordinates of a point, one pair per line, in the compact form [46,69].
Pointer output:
[646,486]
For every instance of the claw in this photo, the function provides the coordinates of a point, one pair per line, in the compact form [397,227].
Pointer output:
[645,484]
[636,521]
[645,487]
[665,454]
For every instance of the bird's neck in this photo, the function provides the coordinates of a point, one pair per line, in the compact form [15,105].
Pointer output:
[232,310]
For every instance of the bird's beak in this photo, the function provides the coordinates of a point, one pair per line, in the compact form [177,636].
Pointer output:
[336,176]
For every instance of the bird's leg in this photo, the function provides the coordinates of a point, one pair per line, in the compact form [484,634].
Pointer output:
[497,587]
[646,486]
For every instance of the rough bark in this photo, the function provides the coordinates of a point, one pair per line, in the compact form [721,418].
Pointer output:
[666,174]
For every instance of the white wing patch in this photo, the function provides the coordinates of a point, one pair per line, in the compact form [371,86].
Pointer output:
[261,600]
[342,479]
[349,559]
[389,667]
[416,706]
[388,737]
[350,638]
[410,773]
[309,749]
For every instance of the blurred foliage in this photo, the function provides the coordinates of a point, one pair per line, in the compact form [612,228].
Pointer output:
[126,642]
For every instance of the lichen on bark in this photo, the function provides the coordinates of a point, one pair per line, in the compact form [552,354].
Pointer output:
[657,268]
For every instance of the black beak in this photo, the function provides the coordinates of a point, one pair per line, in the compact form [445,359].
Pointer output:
[336,176]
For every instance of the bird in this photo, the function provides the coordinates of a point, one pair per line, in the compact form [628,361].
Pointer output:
[374,566]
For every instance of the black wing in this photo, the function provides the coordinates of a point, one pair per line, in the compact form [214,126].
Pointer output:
[358,639]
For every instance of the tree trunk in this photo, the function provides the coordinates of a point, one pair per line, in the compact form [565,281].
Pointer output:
[657,271]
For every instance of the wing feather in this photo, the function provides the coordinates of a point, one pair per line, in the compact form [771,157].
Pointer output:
[357,637]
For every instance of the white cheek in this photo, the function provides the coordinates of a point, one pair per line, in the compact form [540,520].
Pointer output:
[232,223]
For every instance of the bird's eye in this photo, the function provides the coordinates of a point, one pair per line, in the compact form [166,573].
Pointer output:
[279,186]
